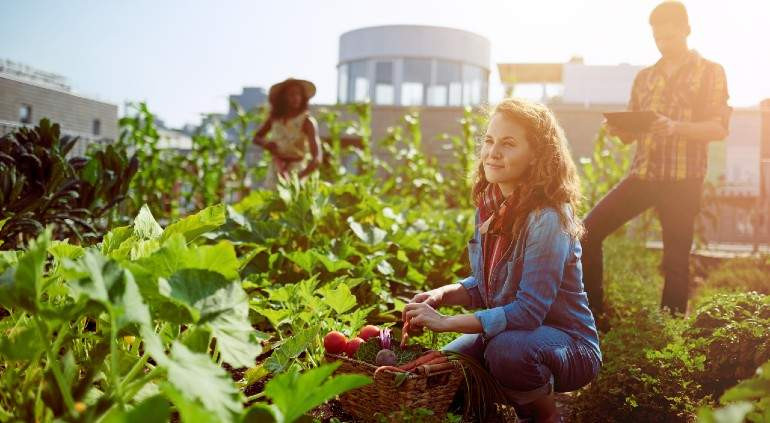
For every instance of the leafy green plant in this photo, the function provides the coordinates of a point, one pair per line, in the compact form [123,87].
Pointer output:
[741,275]
[40,186]
[293,394]
[747,401]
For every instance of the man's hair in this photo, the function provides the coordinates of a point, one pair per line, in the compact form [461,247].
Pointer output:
[670,11]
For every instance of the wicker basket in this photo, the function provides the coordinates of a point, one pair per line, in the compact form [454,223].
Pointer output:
[431,391]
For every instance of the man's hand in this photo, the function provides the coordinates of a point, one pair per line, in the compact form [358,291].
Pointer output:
[626,137]
[664,127]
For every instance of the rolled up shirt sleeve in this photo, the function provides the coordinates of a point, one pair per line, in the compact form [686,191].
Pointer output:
[714,100]
[472,286]
[545,255]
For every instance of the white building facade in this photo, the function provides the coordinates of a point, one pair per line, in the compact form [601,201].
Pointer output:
[409,65]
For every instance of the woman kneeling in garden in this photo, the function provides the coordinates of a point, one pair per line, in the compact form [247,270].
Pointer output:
[535,332]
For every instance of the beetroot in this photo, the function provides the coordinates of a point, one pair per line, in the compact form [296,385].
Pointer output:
[385,358]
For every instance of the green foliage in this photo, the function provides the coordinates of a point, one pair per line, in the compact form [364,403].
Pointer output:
[40,186]
[86,338]
[150,321]
[747,401]
[293,394]
[741,275]
[607,166]
[659,368]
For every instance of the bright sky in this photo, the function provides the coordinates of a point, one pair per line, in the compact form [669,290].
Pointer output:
[184,57]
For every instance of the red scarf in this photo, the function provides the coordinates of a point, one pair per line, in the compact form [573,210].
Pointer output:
[496,227]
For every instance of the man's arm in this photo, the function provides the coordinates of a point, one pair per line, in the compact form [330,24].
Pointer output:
[710,130]
[712,118]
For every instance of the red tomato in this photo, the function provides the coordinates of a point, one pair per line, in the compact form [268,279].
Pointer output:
[352,346]
[369,331]
[335,342]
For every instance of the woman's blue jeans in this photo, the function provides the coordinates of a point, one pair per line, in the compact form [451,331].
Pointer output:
[532,364]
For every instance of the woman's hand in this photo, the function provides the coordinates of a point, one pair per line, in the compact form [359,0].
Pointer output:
[434,297]
[425,316]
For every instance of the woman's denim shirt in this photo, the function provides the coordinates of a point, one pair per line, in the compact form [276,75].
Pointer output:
[540,283]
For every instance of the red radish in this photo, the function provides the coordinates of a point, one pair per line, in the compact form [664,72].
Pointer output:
[352,346]
[335,342]
[368,331]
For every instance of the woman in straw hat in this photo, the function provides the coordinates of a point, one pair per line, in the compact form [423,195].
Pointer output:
[293,141]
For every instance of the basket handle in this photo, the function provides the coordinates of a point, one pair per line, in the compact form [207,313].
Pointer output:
[382,376]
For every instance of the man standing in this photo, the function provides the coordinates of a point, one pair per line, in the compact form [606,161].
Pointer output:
[689,94]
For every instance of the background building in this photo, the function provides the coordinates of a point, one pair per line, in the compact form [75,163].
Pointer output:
[28,95]
[409,65]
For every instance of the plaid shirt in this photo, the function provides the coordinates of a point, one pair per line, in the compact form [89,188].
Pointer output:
[497,243]
[696,92]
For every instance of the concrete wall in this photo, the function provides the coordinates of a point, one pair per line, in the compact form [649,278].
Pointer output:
[74,113]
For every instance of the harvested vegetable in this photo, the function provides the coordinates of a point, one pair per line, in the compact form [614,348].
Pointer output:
[335,342]
[369,331]
[385,358]
[352,346]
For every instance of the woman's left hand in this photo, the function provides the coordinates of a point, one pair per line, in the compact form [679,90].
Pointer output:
[423,315]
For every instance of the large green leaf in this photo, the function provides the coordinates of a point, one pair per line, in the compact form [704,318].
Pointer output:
[193,226]
[733,413]
[304,259]
[21,286]
[61,250]
[219,258]
[110,285]
[114,238]
[340,299]
[237,341]
[201,381]
[175,255]
[205,297]
[370,234]
[21,343]
[145,226]
[190,411]
[290,349]
[152,410]
[295,394]
[203,293]
[331,263]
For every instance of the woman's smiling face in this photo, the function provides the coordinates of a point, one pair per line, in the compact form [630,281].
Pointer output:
[505,153]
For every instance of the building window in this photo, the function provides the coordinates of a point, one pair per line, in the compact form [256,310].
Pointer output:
[25,113]
[416,81]
[96,127]
[384,92]
[358,82]
[474,85]
[447,90]
[342,84]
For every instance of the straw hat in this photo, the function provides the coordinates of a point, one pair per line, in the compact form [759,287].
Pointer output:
[307,86]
